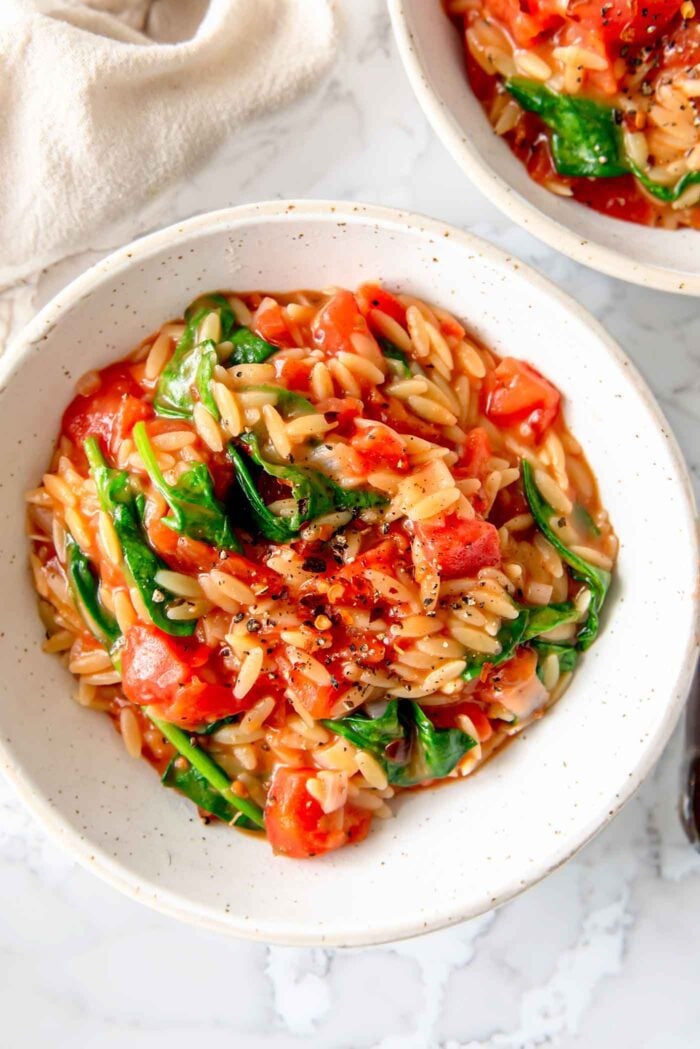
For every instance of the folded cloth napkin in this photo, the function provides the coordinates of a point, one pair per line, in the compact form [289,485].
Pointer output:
[104,103]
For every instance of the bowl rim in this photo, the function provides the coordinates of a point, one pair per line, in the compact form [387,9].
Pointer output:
[117,873]
[527,215]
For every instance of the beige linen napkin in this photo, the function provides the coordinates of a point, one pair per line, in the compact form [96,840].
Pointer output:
[103,103]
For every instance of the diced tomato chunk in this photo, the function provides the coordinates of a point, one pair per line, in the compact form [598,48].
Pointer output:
[515,684]
[524,26]
[154,664]
[357,589]
[110,412]
[625,22]
[179,551]
[446,717]
[198,702]
[476,454]
[342,411]
[317,699]
[270,325]
[294,375]
[334,324]
[297,825]
[161,671]
[374,297]
[459,546]
[379,449]
[393,412]
[515,392]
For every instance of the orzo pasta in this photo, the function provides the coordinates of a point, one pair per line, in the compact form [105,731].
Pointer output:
[601,101]
[310,561]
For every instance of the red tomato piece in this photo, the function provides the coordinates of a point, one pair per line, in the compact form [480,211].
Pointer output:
[358,646]
[294,375]
[270,325]
[476,454]
[393,412]
[199,702]
[179,551]
[342,411]
[474,462]
[334,324]
[374,297]
[515,684]
[357,588]
[297,825]
[516,393]
[317,699]
[161,670]
[620,22]
[110,412]
[460,546]
[446,717]
[379,449]
[450,326]
[154,664]
[524,26]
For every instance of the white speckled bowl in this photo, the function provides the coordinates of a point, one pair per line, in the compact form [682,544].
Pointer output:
[450,853]
[433,56]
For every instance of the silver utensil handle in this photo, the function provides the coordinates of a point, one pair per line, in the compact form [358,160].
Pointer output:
[690,784]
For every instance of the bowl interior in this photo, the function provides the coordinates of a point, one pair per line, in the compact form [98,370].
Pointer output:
[433,54]
[480,840]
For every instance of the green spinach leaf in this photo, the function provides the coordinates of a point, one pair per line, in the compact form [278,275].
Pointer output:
[197,311]
[195,510]
[189,369]
[529,623]
[583,520]
[596,579]
[586,139]
[568,654]
[668,194]
[393,353]
[314,493]
[206,767]
[214,726]
[270,525]
[433,752]
[510,636]
[84,586]
[371,733]
[542,619]
[249,348]
[289,403]
[405,741]
[117,498]
[197,788]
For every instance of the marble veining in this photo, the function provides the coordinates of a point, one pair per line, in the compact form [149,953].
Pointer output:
[604,953]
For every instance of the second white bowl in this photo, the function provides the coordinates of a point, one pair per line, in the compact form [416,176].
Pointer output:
[433,56]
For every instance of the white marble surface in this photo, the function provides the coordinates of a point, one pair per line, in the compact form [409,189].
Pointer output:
[604,954]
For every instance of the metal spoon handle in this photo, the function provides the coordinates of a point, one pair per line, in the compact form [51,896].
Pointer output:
[690,784]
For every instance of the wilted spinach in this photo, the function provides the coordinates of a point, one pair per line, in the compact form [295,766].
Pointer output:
[405,741]
[118,499]
[195,510]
